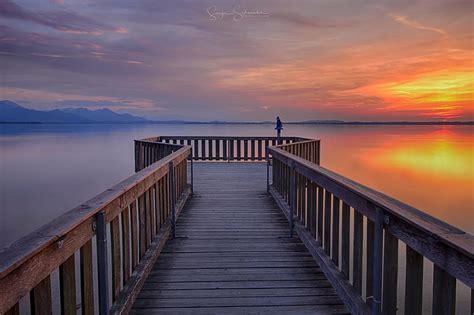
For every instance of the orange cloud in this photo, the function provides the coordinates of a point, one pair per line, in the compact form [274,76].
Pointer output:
[444,94]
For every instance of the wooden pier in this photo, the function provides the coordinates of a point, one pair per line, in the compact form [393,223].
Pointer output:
[232,254]
[235,225]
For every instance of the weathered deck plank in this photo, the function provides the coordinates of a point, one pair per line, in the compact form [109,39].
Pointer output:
[232,254]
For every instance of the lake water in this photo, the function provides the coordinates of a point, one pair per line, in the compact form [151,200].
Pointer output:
[45,170]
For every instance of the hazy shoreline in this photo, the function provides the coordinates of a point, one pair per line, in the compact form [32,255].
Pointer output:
[390,123]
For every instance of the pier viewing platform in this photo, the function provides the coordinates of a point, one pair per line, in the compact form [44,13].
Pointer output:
[237,225]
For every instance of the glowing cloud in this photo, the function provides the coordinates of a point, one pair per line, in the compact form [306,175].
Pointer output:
[444,94]
[404,20]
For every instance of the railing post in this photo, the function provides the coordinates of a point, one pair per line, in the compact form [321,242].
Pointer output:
[268,172]
[137,155]
[292,196]
[102,264]
[173,198]
[192,173]
[377,271]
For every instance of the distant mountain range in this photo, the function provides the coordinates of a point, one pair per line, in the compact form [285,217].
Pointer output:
[11,112]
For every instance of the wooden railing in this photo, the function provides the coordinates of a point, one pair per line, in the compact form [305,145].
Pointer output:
[150,150]
[130,222]
[215,148]
[307,149]
[328,212]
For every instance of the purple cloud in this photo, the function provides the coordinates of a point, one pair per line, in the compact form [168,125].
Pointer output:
[61,20]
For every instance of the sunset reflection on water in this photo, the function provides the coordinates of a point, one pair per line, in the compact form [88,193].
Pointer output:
[431,169]
[441,154]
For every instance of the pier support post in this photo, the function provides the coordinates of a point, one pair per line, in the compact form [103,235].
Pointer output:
[102,264]
[173,197]
[377,271]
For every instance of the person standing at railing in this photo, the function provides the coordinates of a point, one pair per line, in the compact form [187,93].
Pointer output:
[278,128]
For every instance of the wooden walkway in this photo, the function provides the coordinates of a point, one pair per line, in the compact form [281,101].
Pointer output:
[232,254]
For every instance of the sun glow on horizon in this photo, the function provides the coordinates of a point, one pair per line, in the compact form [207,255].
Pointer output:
[442,94]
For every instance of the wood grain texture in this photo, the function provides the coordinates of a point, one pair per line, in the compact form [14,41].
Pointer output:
[390,273]
[87,284]
[345,227]
[335,230]
[126,245]
[369,262]
[327,221]
[67,282]
[344,289]
[232,251]
[357,255]
[15,310]
[444,292]
[116,258]
[40,298]
[134,241]
[413,282]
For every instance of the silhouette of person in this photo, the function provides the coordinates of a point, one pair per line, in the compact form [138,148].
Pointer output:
[279,124]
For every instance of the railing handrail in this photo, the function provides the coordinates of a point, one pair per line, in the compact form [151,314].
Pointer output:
[280,146]
[366,199]
[60,230]
[159,142]
[160,138]
[212,148]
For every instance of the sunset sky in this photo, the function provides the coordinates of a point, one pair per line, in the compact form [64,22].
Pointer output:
[351,60]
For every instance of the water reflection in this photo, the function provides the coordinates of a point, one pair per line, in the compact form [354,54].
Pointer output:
[46,170]
[442,153]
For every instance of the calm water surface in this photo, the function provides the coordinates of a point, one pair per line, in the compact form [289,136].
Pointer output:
[46,170]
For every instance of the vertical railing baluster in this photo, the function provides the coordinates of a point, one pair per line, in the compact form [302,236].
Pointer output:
[320,214]
[116,259]
[87,285]
[230,150]
[173,197]
[335,230]
[292,197]
[345,230]
[67,283]
[444,292]
[203,149]
[390,272]
[239,150]
[102,264]
[126,244]
[327,222]
[357,255]
[413,282]
[134,233]
[192,174]
[40,298]
[225,148]
[268,174]
[377,268]
[142,224]
[369,261]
